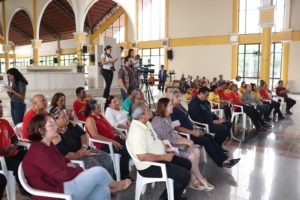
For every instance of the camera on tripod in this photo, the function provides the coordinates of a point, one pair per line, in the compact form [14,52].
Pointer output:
[145,69]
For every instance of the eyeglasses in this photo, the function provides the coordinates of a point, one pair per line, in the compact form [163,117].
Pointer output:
[52,124]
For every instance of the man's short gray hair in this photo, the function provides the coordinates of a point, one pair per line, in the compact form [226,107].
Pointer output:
[137,109]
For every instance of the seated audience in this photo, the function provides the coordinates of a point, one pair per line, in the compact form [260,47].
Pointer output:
[163,127]
[266,97]
[188,95]
[39,105]
[10,150]
[151,80]
[3,182]
[136,95]
[242,88]
[183,124]
[59,100]
[80,104]
[99,128]
[200,111]
[116,117]
[251,101]
[168,92]
[250,111]
[46,169]
[283,92]
[214,82]
[72,142]
[144,145]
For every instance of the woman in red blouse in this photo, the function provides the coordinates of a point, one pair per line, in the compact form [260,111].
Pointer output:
[45,168]
[99,128]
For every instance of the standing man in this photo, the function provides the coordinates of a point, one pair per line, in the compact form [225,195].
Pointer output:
[162,76]
[125,78]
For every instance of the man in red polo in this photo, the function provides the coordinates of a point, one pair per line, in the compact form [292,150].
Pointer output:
[80,104]
[39,105]
[283,92]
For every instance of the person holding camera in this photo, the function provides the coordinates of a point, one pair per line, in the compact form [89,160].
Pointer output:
[108,69]
[125,78]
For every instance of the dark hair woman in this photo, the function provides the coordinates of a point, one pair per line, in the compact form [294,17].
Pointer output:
[108,69]
[47,169]
[16,92]
[99,128]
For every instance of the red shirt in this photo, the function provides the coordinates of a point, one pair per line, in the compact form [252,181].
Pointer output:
[103,128]
[194,91]
[278,90]
[27,118]
[45,168]
[264,93]
[224,94]
[79,106]
[6,132]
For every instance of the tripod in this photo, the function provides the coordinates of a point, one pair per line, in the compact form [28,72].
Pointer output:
[147,92]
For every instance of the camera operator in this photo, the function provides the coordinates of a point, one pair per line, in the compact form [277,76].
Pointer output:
[108,69]
[125,78]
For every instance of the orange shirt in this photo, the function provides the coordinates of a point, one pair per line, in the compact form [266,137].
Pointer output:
[6,132]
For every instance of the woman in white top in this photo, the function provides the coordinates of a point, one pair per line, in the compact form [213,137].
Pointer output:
[116,117]
[108,69]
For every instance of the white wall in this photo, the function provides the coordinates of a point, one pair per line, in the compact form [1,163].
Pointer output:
[209,61]
[295,14]
[294,66]
[194,18]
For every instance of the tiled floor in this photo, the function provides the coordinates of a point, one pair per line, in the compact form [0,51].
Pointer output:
[269,168]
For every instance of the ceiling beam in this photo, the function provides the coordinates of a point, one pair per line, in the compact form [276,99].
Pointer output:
[21,32]
[66,11]
[101,17]
[49,30]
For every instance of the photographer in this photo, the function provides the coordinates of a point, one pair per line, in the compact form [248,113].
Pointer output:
[125,78]
[108,69]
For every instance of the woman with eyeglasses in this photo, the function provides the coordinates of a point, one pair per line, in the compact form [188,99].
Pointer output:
[116,117]
[163,127]
[72,142]
[99,128]
[46,169]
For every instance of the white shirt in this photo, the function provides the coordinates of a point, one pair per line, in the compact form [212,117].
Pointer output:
[106,58]
[142,139]
[116,117]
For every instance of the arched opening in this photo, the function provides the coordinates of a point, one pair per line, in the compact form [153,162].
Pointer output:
[58,22]
[20,29]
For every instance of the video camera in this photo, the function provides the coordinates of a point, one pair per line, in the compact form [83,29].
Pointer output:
[145,69]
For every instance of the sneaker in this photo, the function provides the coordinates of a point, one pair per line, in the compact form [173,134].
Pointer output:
[288,112]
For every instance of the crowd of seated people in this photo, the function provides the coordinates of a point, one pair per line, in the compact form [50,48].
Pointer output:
[56,137]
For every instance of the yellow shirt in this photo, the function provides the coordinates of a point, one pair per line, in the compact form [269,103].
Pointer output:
[242,90]
[256,95]
[214,97]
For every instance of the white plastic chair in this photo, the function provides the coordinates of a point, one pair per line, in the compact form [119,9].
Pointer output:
[22,141]
[281,101]
[36,192]
[11,180]
[101,101]
[141,182]
[114,156]
[217,110]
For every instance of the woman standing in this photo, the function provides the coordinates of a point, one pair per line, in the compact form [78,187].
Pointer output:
[16,92]
[108,69]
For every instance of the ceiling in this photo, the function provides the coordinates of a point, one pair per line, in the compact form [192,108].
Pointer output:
[58,22]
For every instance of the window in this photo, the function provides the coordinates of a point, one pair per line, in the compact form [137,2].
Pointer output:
[275,64]
[117,29]
[249,62]
[2,65]
[249,16]
[22,61]
[66,60]
[151,20]
[153,56]
[47,60]
[278,15]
